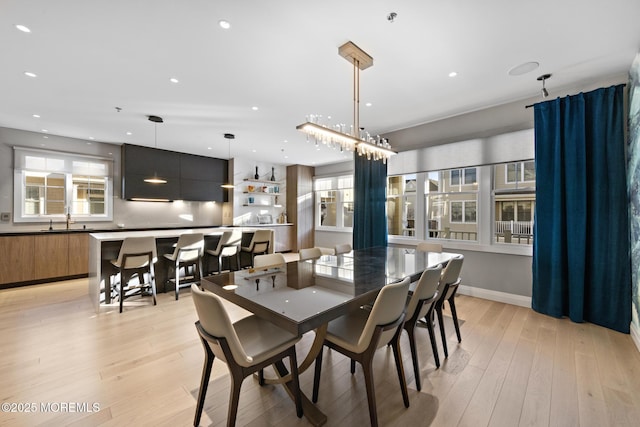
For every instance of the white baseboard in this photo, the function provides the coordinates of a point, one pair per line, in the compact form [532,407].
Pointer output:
[512,299]
[635,335]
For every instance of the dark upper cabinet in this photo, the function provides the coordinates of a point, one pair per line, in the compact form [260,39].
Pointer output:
[189,177]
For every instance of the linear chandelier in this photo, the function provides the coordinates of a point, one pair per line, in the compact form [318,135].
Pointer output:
[357,140]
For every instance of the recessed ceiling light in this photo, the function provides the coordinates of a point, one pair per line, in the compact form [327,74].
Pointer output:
[23,28]
[88,143]
[286,140]
[37,116]
[174,80]
[453,74]
[224,24]
[254,108]
[208,148]
[286,157]
[30,74]
[45,130]
[128,133]
[253,151]
[91,138]
[523,68]
[45,137]
[368,104]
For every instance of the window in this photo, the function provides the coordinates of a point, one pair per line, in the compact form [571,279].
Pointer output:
[465,176]
[514,202]
[451,202]
[49,185]
[334,202]
[401,205]
[520,172]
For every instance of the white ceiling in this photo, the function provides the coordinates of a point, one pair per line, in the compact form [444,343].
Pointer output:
[282,56]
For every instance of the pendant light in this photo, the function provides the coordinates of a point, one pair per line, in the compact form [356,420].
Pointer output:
[228,137]
[155,179]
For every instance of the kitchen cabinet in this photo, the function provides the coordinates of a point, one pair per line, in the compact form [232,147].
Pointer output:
[51,256]
[16,258]
[78,254]
[41,257]
[189,177]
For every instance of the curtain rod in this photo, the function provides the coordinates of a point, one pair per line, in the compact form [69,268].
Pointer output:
[531,105]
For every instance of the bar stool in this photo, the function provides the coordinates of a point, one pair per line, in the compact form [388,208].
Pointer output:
[136,257]
[258,245]
[228,246]
[187,254]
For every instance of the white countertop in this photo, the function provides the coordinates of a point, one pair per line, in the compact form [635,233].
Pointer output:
[120,235]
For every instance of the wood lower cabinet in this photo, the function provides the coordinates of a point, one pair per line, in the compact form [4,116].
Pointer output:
[78,254]
[51,256]
[43,256]
[16,258]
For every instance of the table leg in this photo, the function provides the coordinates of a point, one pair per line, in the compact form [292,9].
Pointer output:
[311,411]
[316,348]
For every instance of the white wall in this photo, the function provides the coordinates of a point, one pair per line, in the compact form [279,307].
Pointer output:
[128,213]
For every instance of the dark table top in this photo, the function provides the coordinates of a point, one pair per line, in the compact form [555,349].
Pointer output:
[304,295]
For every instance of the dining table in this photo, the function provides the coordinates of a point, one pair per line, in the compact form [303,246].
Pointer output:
[304,296]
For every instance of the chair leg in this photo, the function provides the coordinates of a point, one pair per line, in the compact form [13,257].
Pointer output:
[400,369]
[295,381]
[454,314]
[367,368]
[432,337]
[177,272]
[261,377]
[316,376]
[414,354]
[442,333]
[122,277]
[234,398]
[353,366]
[204,381]
[152,281]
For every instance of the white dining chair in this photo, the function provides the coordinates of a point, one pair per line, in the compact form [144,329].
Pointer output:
[421,305]
[310,253]
[246,346]
[360,333]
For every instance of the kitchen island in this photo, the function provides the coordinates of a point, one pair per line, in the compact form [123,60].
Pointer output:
[104,246]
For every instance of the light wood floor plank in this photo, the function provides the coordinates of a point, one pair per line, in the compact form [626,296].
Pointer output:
[143,367]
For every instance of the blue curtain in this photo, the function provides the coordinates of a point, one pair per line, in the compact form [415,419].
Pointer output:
[581,263]
[369,216]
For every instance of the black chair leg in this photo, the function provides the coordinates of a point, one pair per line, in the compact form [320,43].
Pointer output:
[400,369]
[442,333]
[316,376]
[234,398]
[261,377]
[122,277]
[295,382]
[204,382]
[454,314]
[367,368]
[432,337]
[353,366]
[414,355]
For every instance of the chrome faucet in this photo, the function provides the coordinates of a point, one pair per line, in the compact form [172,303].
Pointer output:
[69,220]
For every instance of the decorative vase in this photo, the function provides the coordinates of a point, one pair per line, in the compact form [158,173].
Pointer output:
[256,176]
[273,176]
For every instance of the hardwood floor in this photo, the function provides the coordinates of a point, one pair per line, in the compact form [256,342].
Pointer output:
[514,367]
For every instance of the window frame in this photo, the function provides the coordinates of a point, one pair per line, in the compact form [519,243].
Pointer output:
[340,185]
[69,165]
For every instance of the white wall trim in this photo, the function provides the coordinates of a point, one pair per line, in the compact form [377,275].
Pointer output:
[498,296]
[635,335]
